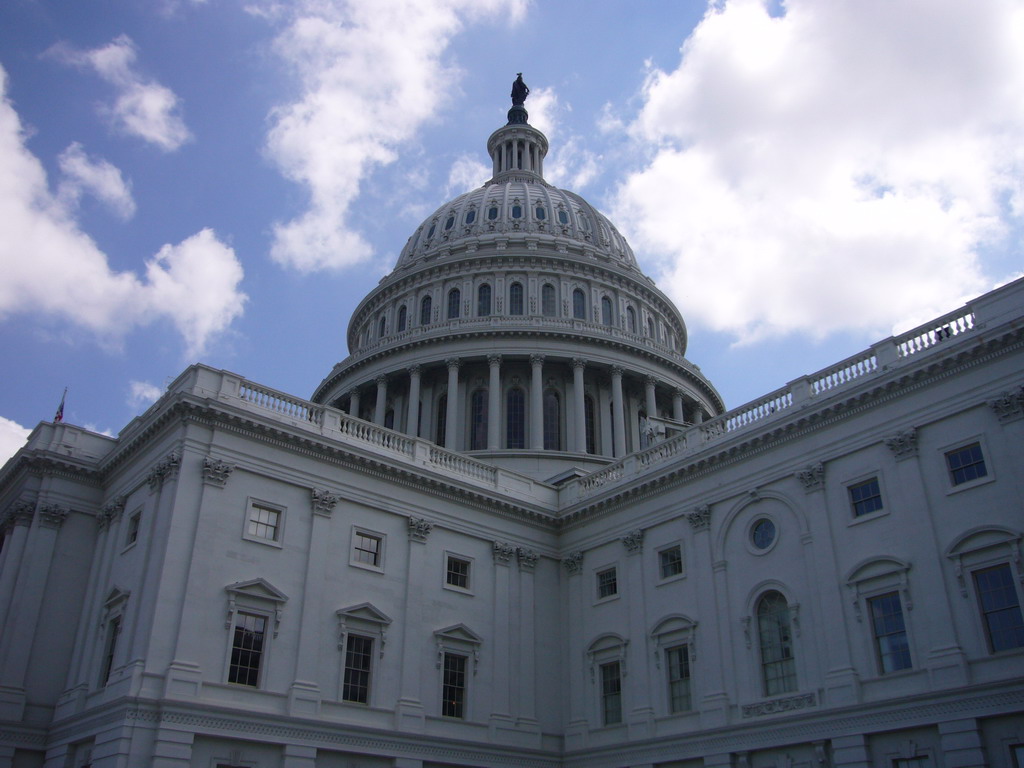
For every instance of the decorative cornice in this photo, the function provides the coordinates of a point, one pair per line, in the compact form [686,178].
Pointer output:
[812,477]
[700,518]
[1009,406]
[788,704]
[634,541]
[52,515]
[503,552]
[527,558]
[216,471]
[323,502]
[903,444]
[165,469]
[573,562]
[419,529]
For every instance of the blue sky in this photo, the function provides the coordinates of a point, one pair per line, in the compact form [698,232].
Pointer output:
[223,180]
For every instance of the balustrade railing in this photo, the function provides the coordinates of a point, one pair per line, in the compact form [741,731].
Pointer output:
[844,372]
[373,434]
[461,465]
[280,403]
[757,410]
[925,337]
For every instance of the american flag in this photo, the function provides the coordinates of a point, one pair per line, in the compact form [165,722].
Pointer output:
[59,416]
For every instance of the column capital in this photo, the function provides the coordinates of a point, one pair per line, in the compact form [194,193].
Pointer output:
[812,477]
[634,541]
[453,362]
[216,471]
[354,392]
[165,469]
[617,371]
[527,558]
[381,380]
[323,501]
[21,514]
[700,518]
[650,380]
[494,359]
[536,359]
[579,362]
[52,515]
[903,444]
[503,552]
[414,370]
[573,562]
[419,529]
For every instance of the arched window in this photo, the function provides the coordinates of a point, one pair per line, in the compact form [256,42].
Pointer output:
[778,668]
[606,310]
[470,216]
[515,414]
[579,304]
[450,222]
[588,418]
[382,326]
[547,300]
[631,319]
[650,327]
[403,318]
[552,421]
[517,211]
[441,424]
[454,303]
[541,213]
[433,228]
[563,216]
[425,311]
[515,299]
[483,300]
[478,420]
[492,213]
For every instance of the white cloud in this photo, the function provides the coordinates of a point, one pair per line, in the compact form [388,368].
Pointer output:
[12,438]
[837,167]
[142,394]
[50,267]
[467,173]
[143,108]
[371,73]
[83,174]
[570,164]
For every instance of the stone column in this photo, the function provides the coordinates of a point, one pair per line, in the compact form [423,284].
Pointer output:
[527,709]
[452,416]
[961,744]
[580,688]
[501,678]
[652,403]
[618,414]
[409,714]
[171,749]
[698,414]
[850,752]
[296,756]
[412,419]
[537,403]
[578,364]
[16,527]
[677,406]
[382,400]
[714,639]
[353,403]
[636,694]
[494,403]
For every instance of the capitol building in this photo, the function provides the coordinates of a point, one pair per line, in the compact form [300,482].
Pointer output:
[517,528]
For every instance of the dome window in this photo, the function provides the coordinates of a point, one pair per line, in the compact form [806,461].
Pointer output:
[606,310]
[515,299]
[403,318]
[483,300]
[492,213]
[517,211]
[450,223]
[547,300]
[430,232]
[541,213]
[454,300]
[563,217]
[425,311]
[579,304]
[471,216]
[382,327]
[631,319]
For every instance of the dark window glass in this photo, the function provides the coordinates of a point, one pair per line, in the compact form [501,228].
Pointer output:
[606,310]
[425,311]
[492,213]
[865,497]
[367,549]
[763,533]
[607,583]
[454,302]
[358,656]
[389,418]
[430,232]
[403,318]
[563,217]
[678,659]
[650,327]
[382,326]
[631,319]
[515,299]
[515,427]
[449,223]
[778,667]
[547,300]
[458,572]
[670,562]
[541,213]
[441,428]
[517,211]
[588,415]
[966,464]
[579,304]
[1000,608]
[611,694]
[134,525]
[113,630]
[483,300]
[552,421]
[891,646]
[264,522]
[453,686]
[478,420]
[247,649]
[471,216]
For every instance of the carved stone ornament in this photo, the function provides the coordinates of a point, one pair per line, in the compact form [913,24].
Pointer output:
[503,552]
[22,513]
[323,501]
[165,469]
[527,558]
[812,477]
[216,472]
[419,529]
[903,444]
[1009,406]
[111,512]
[573,562]
[788,704]
[700,518]
[634,541]
[52,515]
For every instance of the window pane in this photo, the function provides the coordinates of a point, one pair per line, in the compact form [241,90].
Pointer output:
[579,305]
[263,522]
[777,664]
[966,464]
[454,302]
[402,318]
[358,655]
[515,431]
[483,304]
[478,420]
[678,662]
[458,572]
[547,302]
[866,497]
[441,423]
[552,422]
[515,299]
[453,687]
[588,416]
[425,311]
[611,694]
[890,632]
[606,310]
[1000,608]
[671,562]
[367,549]
[247,649]
[607,583]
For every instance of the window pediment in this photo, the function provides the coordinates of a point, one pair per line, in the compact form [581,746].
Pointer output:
[116,598]
[364,612]
[877,568]
[458,633]
[258,589]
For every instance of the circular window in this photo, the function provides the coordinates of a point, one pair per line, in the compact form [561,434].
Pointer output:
[762,534]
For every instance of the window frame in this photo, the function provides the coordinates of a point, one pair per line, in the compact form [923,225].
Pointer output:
[260,668]
[132,529]
[354,559]
[259,598]
[878,634]
[579,304]
[874,578]
[983,614]
[790,676]
[859,483]
[426,309]
[484,300]
[660,553]
[454,557]
[612,584]
[516,299]
[548,300]
[252,504]
[605,650]
[986,460]
[366,621]
[454,304]
[366,683]
[457,641]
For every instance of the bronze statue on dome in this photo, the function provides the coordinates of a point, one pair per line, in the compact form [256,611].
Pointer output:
[519,91]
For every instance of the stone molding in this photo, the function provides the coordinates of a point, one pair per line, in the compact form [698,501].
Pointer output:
[165,469]
[634,541]
[419,529]
[812,477]
[903,444]
[700,518]
[111,511]
[527,558]
[573,562]
[20,514]
[323,501]
[52,515]
[216,471]
[788,704]
[1009,406]
[503,552]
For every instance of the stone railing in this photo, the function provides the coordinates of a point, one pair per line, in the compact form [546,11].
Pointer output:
[926,337]
[280,403]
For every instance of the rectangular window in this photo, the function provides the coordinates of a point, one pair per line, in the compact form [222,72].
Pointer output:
[891,644]
[457,574]
[134,524]
[912,762]
[453,686]
[1000,608]
[670,561]
[264,522]
[358,654]
[607,583]
[1017,750]
[611,694]
[678,662]
[113,630]
[865,497]
[966,464]
[247,649]
[366,549]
